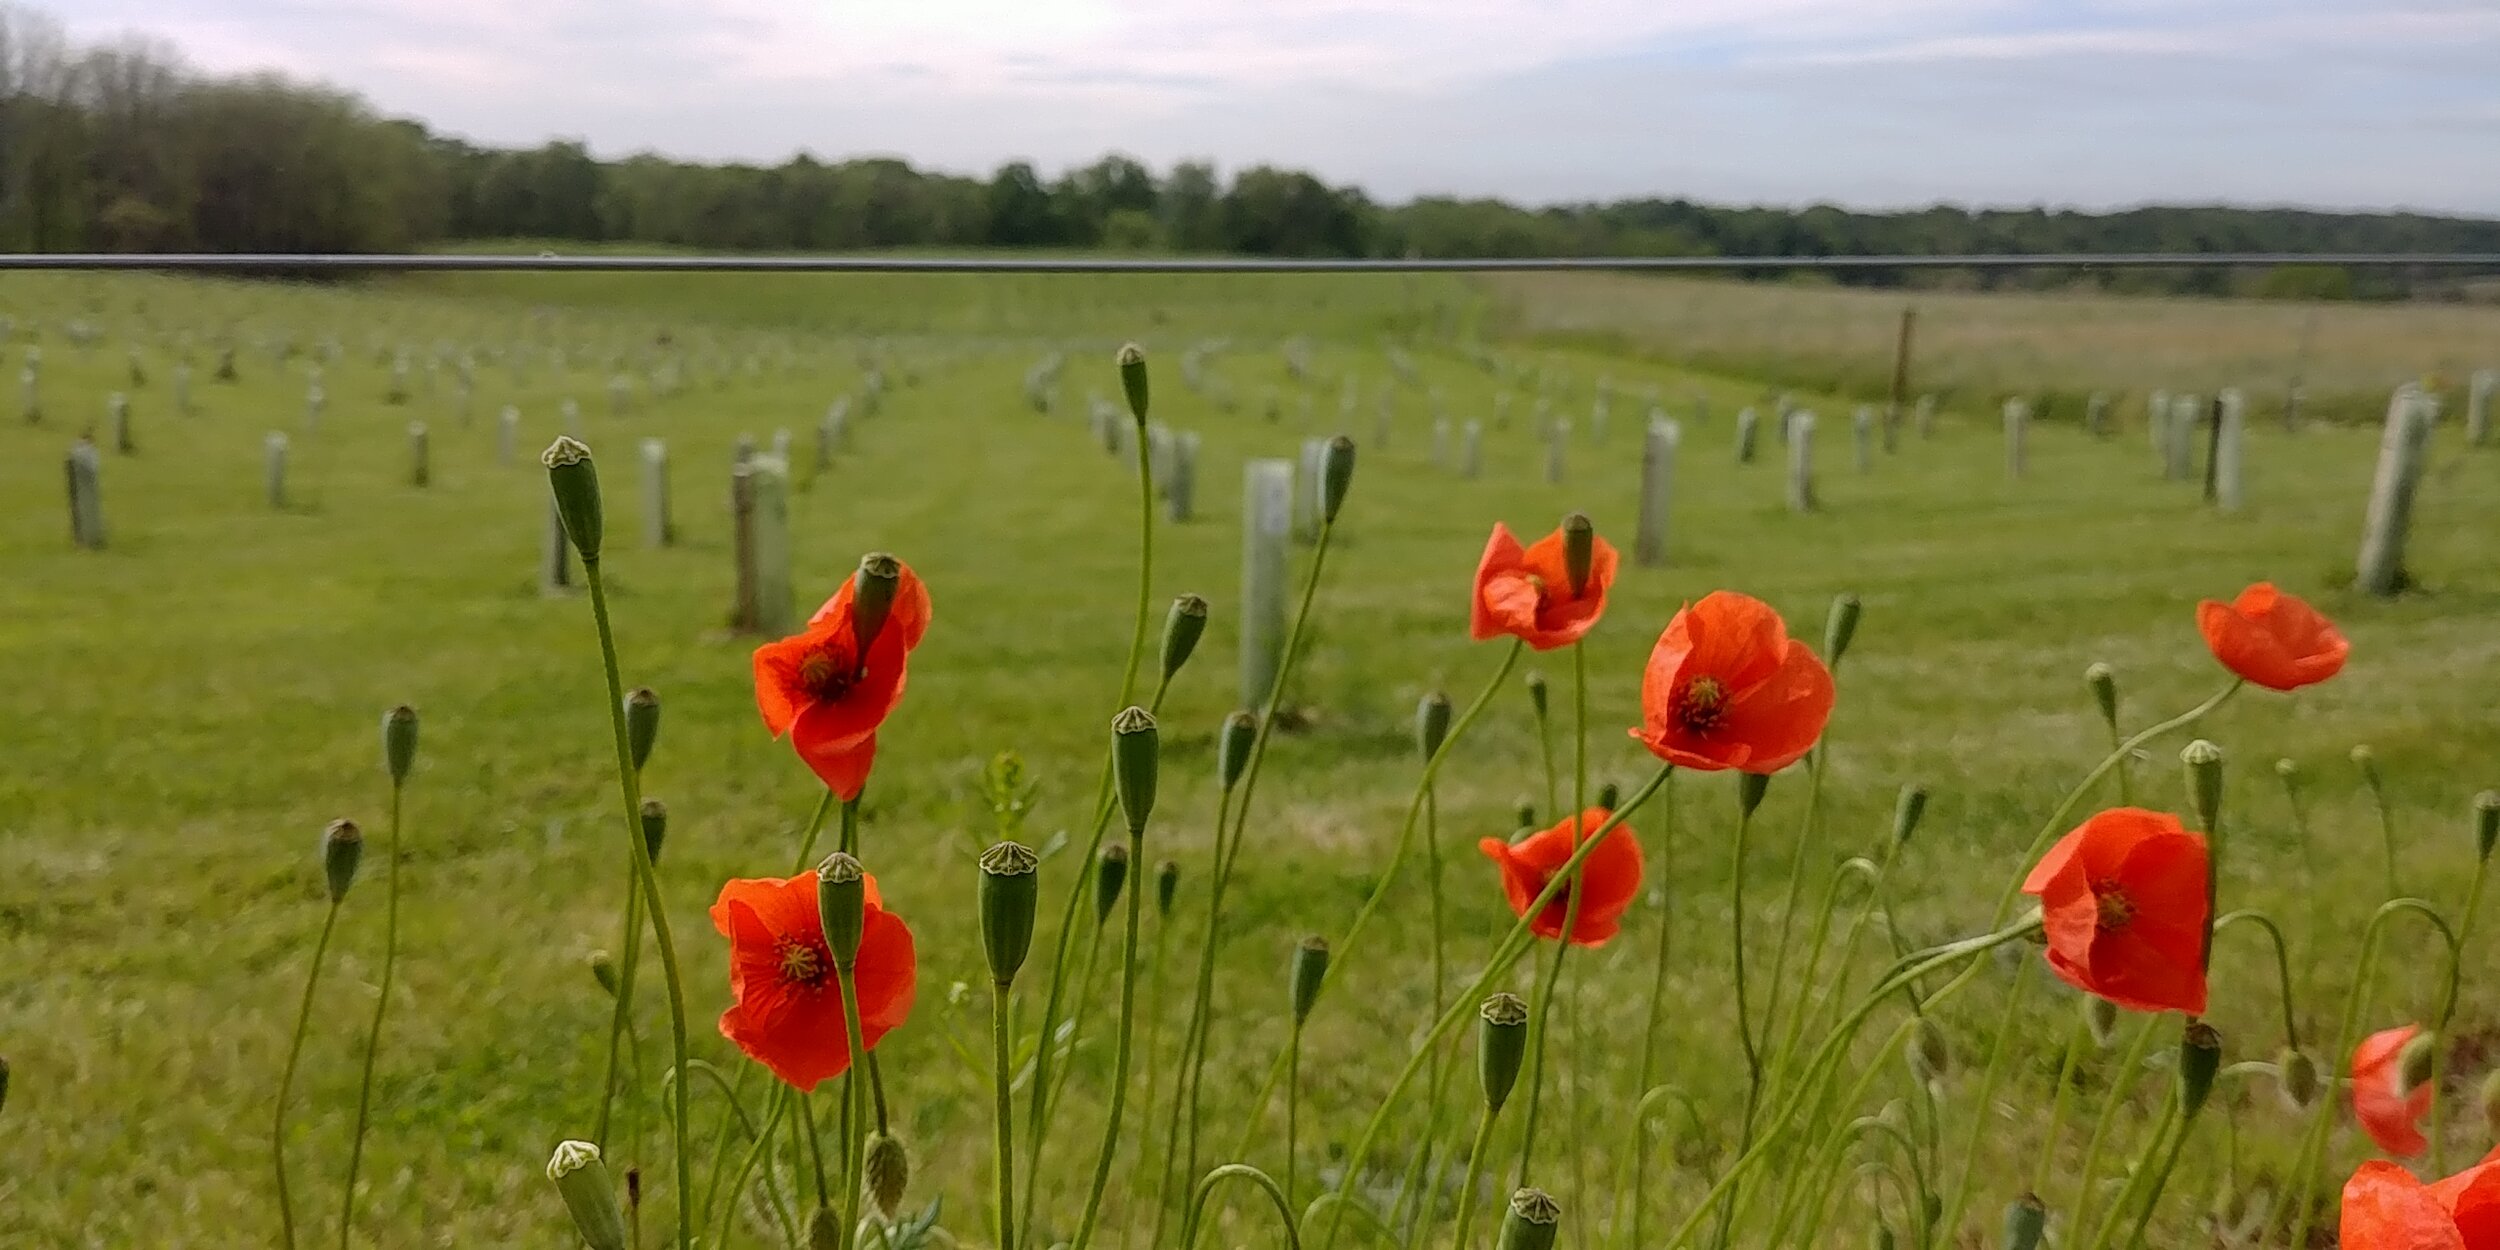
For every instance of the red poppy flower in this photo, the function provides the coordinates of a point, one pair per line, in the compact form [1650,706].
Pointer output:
[1610,878]
[816,687]
[2272,638]
[2123,898]
[1526,592]
[2391,1116]
[1727,687]
[788,1013]
[2385,1208]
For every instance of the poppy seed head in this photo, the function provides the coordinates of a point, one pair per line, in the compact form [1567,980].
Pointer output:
[840,867]
[565,452]
[1505,1009]
[1010,859]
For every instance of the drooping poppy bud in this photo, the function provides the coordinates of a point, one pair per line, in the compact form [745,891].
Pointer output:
[873,588]
[2298,1076]
[642,724]
[1930,1056]
[1907,811]
[1531,1221]
[2486,822]
[1879,1236]
[2415,1061]
[1232,752]
[1579,551]
[2200,1057]
[2104,683]
[1167,887]
[1181,628]
[575,481]
[1133,380]
[1432,723]
[1535,681]
[1336,473]
[2203,760]
[824,1230]
[1310,970]
[1750,787]
[581,1176]
[1608,795]
[1839,628]
[654,827]
[1135,759]
[1110,874]
[2366,760]
[842,906]
[342,849]
[1010,891]
[2025,1220]
[1501,1044]
[399,741]
[603,971]
[1525,813]
[888,1169]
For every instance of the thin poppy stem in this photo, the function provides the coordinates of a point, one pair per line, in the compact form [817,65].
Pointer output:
[381,1007]
[846,982]
[815,827]
[850,825]
[2058,1102]
[2121,1087]
[621,1011]
[2448,1005]
[1192,1063]
[1123,1054]
[2129,1196]
[1639,1159]
[1980,1102]
[746,1166]
[1817,942]
[1810,1186]
[1658,982]
[1154,1032]
[286,1079]
[1808,826]
[815,1150]
[1736,942]
[1467,1180]
[1267,1185]
[1542,1013]
[2282,966]
[2161,1179]
[1293,1103]
[2126,780]
[1076,1017]
[1003,1080]
[1545,749]
[662,940]
[2386,828]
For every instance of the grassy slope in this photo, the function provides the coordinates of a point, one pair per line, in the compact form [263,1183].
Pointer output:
[187,708]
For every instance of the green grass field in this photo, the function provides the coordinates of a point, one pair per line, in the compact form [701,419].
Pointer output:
[186,708]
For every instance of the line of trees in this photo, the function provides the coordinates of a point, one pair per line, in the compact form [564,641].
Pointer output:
[120,147]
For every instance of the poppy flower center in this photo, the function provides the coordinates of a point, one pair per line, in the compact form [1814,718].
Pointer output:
[827,674]
[1700,706]
[2115,907]
[802,963]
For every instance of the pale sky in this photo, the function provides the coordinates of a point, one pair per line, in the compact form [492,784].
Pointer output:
[1870,103]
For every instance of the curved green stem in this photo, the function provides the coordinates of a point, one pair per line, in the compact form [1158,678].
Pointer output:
[1541,1013]
[2282,966]
[2121,1087]
[1979,1113]
[381,1007]
[1121,1060]
[1631,1185]
[1191,1064]
[746,1166]
[1003,1078]
[2058,1102]
[286,1080]
[1467,1181]
[856,1038]
[1736,943]
[1266,1184]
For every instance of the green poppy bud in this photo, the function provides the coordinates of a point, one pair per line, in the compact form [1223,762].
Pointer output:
[1839,627]
[399,741]
[1525,815]
[1134,761]
[2200,1057]
[1930,1056]
[1336,474]
[4,1082]
[642,724]
[1110,873]
[1133,379]
[1310,968]
[603,971]
[873,588]
[1233,743]
[1907,811]
[888,1169]
[842,906]
[2203,760]
[1181,628]
[824,1230]
[1750,787]
[2486,822]
[2104,683]
[575,481]
[1167,887]
[342,848]
[654,827]
[2366,760]
[1531,1221]
[1501,1044]
[1535,681]
[2298,1075]
[2025,1220]
[1608,795]
[2490,1098]
[1010,892]
[2288,771]
[581,1176]
[2415,1061]
[2100,1016]
[1579,551]
[1879,1236]
[1432,723]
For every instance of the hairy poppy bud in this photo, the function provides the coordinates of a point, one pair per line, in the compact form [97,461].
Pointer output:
[2490,1098]
[2486,822]
[1432,723]
[1579,550]
[1608,795]
[1232,752]
[2104,683]
[1839,627]
[2200,1057]
[2025,1220]
[1336,473]
[1750,787]
[342,848]
[1133,379]
[1167,887]
[824,1230]
[399,741]
[1501,1042]
[575,481]
[581,1176]
[1879,1236]
[888,1168]
[654,827]
[1525,814]
[2204,773]
[2297,1073]
[642,724]
[873,589]
[1310,968]
[1134,761]
[2100,1016]
[1930,1055]
[2414,1062]
[603,971]
[2287,770]
[842,905]
[1535,681]
[2366,760]
[1110,873]
[1188,620]
[1907,810]
[1010,890]
[1531,1221]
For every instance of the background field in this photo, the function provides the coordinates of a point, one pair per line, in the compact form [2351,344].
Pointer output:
[182,711]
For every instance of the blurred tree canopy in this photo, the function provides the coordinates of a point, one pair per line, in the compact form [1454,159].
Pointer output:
[122,147]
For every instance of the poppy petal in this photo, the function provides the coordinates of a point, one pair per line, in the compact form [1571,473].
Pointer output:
[2385,1208]
[1502,554]
[1780,718]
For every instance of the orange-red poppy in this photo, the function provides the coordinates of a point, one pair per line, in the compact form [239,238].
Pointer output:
[788,1013]
[816,686]
[1727,687]
[1610,878]
[2123,901]
[1525,592]
[2386,1208]
[2390,1114]
[2273,639]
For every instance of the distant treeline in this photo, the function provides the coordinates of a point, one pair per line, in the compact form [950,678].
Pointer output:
[123,148]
